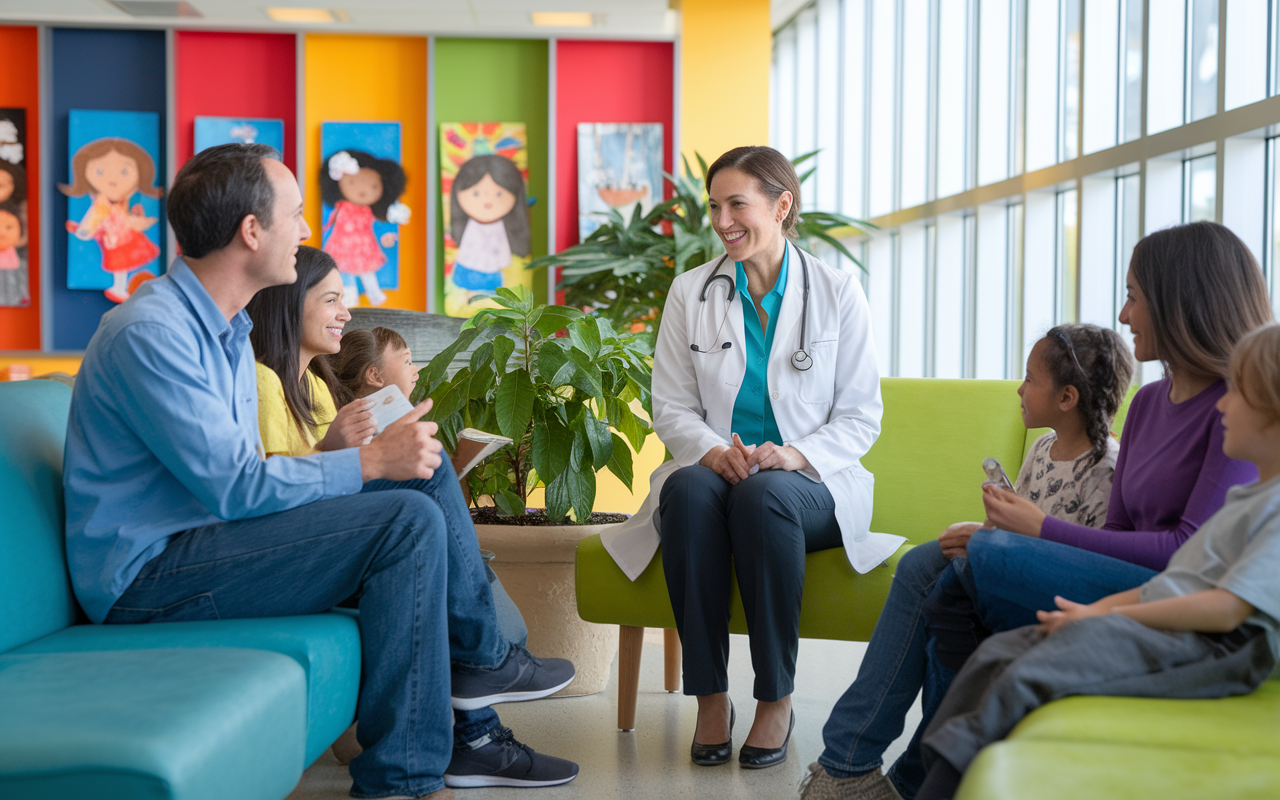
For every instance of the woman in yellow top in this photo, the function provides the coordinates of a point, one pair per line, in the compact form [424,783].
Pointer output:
[295,327]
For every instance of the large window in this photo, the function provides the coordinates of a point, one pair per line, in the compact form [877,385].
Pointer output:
[1012,153]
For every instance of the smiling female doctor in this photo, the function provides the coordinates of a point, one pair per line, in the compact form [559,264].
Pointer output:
[766,392]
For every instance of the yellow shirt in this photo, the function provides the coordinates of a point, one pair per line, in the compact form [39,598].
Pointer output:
[281,435]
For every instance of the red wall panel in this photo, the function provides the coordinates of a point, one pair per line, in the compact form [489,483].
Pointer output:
[20,88]
[606,82]
[235,75]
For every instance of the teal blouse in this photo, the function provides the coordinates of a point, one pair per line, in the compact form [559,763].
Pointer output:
[753,419]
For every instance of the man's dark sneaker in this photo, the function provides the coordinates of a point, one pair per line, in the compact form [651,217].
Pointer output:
[521,677]
[499,760]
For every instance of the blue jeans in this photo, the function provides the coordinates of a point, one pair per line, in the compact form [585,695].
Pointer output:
[1007,578]
[872,712]
[407,553]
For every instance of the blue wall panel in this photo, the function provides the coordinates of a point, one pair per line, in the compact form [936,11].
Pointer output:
[117,70]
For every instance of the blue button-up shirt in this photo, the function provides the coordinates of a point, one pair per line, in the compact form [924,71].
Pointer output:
[163,437]
[753,410]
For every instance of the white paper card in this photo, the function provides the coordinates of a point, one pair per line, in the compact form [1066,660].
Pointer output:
[389,405]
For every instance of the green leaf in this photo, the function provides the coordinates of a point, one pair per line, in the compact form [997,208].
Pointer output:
[509,503]
[597,435]
[620,461]
[439,366]
[482,381]
[552,355]
[552,445]
[503,347]
[587,376]
[555,318]
[557,498]
[628,424]
[586,337]
[482,356]
[513,403]
[582,494]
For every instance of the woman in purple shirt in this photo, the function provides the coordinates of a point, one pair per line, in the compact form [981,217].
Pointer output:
[1194,291]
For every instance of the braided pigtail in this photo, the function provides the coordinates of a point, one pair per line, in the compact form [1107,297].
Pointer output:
[1097,362]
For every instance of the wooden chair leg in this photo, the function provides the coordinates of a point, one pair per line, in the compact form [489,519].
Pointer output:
[671,658]
[630,647]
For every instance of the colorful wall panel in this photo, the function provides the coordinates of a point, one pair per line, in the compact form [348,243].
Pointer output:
[496,80]
[20,88]
[605,82]
[118,70]
[234,75]
[374,78]
[719,38]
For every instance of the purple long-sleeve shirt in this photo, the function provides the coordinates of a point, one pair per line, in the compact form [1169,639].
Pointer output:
[1171,475]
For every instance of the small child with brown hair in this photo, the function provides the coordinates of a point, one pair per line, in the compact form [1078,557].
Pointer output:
[1207,626]
[370,360]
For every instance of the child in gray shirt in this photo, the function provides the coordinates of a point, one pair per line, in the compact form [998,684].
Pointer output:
[1208,626]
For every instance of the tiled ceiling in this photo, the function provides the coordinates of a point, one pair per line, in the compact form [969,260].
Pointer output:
[614,18]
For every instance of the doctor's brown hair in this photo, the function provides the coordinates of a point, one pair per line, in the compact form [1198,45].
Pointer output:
[772,171]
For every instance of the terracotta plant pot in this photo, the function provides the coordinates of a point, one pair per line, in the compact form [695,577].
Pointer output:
[535,564]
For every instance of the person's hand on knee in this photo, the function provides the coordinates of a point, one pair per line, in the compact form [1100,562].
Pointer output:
[955,539]
[729,463]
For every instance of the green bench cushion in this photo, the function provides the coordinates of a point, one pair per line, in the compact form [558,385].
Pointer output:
[838,602]
[1247,725]
[1018,770]
[326,646]
[151,725]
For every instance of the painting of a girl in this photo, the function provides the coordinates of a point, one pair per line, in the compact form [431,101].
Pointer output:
[14,290]
[361,188]
[489,221]
[111,171]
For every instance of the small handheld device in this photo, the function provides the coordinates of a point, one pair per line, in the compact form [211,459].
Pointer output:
[996,475]
[389,405]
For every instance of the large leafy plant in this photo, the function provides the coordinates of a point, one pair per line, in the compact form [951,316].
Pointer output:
[625,267]
[555,382]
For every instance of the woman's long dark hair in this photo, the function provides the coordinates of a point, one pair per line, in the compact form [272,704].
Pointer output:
[1204,291]
[277,333]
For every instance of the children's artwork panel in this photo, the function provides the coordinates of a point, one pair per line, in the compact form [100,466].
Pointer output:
[484,174]
[113,210]
[15,284]
[361,183]
[212,131]
[619,168]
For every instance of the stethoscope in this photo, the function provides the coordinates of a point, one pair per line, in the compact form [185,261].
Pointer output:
[800,359]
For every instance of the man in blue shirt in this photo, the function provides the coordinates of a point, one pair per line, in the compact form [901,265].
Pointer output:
[174,513]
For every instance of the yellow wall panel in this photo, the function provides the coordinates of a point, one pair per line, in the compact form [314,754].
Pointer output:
[725,52]
[373,78]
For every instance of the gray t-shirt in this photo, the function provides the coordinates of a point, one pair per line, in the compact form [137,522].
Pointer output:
[1072,491]
[1237,549]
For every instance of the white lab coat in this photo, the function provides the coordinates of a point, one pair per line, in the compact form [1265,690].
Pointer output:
[830,413]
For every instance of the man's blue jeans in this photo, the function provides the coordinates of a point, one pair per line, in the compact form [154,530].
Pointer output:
[872,712]
[407,553]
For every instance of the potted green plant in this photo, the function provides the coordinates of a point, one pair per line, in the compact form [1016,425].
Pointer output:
[624,268]
[558,384]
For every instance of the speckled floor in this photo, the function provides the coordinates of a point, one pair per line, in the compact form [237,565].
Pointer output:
[653,762]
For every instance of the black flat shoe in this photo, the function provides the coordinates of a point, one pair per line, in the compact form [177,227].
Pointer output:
[761,757]
[711,755]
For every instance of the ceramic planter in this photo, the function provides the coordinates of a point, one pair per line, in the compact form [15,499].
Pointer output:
[535,564]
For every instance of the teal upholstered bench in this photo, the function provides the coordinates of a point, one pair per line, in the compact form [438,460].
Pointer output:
[224,709]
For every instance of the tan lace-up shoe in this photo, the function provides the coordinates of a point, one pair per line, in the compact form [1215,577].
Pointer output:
[819,785]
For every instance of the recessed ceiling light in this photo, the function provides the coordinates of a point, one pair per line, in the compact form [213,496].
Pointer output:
[306,15]
[154,8]
[567,19]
